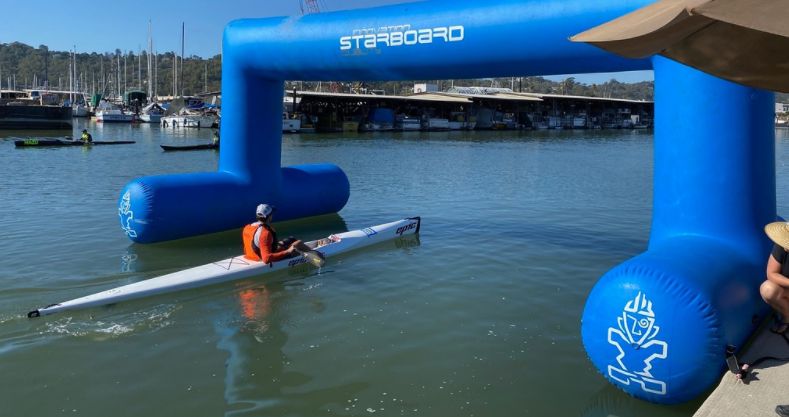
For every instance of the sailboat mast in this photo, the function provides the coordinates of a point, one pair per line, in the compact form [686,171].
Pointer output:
[71,78]
[118,79]
[175,74]
[182,58]
[75,87]
[150,75]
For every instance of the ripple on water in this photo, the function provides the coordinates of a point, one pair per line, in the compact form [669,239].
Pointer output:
[151,319]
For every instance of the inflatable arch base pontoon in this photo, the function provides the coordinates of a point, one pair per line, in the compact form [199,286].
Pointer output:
[166,207]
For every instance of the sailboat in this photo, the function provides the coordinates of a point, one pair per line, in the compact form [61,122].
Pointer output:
[185,111]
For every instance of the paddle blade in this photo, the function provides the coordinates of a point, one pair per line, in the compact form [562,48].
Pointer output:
[314,258]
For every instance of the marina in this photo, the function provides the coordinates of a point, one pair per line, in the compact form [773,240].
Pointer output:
[556,231]
[321,112]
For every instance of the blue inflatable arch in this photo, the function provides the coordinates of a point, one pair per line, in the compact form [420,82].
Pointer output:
[656,326]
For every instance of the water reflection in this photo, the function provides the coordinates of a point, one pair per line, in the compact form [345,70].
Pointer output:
[20,134]
[611,402]
[258,379]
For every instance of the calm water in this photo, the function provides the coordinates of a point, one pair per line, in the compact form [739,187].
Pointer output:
[480,316]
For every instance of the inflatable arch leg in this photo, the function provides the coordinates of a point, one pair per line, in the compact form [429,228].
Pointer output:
[424,40]
[168,207]
[658,325]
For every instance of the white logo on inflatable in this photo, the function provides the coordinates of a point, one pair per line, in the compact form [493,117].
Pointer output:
[634,337]
[126,215]
[400,35]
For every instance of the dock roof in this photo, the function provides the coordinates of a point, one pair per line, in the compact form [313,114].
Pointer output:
[455,97]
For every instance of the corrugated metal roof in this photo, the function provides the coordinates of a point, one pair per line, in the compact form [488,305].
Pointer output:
[497,96]
[438,97]
[463,98]
[542,95]
[420,97]
[512,96]
[343,95]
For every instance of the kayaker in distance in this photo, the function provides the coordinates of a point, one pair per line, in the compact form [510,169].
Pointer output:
[261,244]
[86,137]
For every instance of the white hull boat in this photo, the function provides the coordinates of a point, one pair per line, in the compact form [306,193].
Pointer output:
[436,124]
[113,116]
[408,123]
[291,125]
[237,268]
[151,118]
[79,110]
[188,120]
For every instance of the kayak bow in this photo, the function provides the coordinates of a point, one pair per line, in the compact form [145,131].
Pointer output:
[190,147]
[235,268]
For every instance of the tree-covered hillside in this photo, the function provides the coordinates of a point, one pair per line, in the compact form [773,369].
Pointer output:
[22,65]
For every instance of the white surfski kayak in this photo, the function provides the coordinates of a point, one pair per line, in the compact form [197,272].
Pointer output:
[236,268]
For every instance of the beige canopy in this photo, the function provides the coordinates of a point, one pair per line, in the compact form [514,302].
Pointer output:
[745,41]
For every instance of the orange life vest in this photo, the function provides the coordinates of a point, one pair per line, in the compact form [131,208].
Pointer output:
[249,234]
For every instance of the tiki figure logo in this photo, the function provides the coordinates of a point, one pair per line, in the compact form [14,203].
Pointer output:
[127,215]
[635,338]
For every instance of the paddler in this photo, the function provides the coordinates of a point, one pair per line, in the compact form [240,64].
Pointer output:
[261,244]
[86,137]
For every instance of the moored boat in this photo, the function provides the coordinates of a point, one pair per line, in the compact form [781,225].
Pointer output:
[79,110]
[379,119]
[113,116]
[152,113]
[188,120]
[108,113]
[237,267]
[435,124]
[19,110]
[290,125]
[35,117]
[406,123]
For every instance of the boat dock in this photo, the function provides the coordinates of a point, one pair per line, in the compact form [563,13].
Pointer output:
[464,108]
[766,387]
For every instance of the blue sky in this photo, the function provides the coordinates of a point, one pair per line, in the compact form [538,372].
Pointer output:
[93,26]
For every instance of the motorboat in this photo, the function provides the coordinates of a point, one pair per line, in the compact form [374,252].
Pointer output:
[152,113]
[435,124]
[113,116]
[188,118]
[107,113]
[290,125]
[407,123]
[378,119]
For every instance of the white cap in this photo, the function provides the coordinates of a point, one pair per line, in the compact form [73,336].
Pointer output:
[264,210]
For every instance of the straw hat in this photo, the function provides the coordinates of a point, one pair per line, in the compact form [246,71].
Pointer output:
[778,232]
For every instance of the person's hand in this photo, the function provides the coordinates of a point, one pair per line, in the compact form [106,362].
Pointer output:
[292,248]
[743,374]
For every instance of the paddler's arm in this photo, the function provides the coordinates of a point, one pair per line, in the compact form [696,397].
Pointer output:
[265,249]
[774,268]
